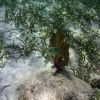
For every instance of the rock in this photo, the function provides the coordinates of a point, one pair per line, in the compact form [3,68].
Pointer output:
[62,86]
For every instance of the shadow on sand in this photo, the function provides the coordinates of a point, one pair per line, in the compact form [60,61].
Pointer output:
[65,73]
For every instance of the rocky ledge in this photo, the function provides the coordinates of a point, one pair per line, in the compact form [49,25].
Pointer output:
[62,86]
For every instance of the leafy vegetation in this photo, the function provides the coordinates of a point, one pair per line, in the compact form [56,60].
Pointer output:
[37,20]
